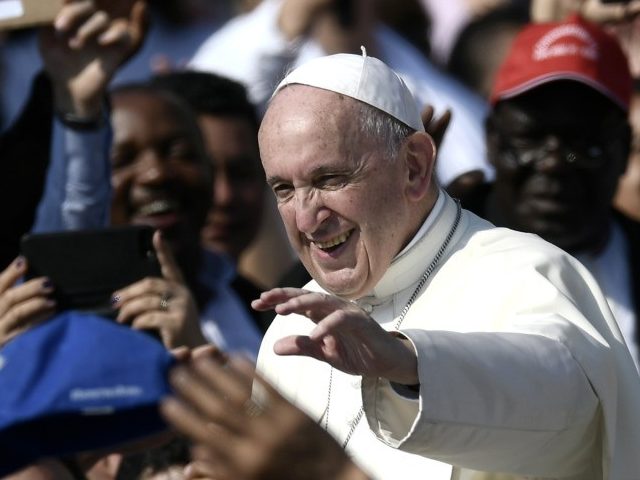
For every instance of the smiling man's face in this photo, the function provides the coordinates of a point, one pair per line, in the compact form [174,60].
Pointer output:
[342,202]
[160,173]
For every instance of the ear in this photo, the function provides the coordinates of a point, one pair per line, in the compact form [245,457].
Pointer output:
[419,155]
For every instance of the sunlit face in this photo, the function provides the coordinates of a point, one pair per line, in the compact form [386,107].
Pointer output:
[238,189]
[160,175]
[343,204]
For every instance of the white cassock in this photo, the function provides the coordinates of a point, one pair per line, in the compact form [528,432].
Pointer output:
[522,368]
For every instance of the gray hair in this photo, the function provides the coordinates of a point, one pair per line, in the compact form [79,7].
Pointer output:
[388,131]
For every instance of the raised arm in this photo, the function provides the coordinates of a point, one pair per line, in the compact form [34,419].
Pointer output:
[81,52]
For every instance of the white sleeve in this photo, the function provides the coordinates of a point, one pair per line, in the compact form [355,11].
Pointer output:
[492,401]
[251,50]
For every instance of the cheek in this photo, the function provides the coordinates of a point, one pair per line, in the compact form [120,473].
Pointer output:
[288,216]
[121,184]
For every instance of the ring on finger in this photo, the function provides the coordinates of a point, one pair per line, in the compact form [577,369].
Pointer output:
[164,301]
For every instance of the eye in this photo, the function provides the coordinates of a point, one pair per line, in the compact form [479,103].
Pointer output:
[178,149]
[121,157]
[523,142]
[282,191]
[331,181]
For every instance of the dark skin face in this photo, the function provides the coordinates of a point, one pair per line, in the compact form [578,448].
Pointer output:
[160,172]
[558,151]
[239,186]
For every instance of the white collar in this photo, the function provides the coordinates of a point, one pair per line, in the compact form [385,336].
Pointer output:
[410,263]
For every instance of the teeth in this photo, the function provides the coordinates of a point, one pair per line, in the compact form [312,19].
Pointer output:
[156,207]
[334,241]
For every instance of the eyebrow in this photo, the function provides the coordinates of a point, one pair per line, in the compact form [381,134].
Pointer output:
[315,172]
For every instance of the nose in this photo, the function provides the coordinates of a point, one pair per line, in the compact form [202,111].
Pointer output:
[551,156]
[223,189]
[311,212]
[152,168]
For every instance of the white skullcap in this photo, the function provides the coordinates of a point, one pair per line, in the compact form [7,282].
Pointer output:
[361,77]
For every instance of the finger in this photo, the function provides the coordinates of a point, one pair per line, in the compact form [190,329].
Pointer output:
[440,126]
[181,354]
[26,315]
[147,286]
[116,33]
[211,352]
[233,384]
[298,345]
[197,393]
[191,423]
[314,306]
[168,265]
[427,116]
[134,308]
[90,29]
[338,319]
[72,15]
[271,298]
[138,23]
[40,286]
[12,273]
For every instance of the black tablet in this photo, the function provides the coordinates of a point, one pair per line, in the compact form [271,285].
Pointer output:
[87,266]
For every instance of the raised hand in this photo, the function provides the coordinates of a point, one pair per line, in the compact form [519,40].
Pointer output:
[85,47]
[435,126]
[164,305]
[25,305]
[244,439]
[345,337]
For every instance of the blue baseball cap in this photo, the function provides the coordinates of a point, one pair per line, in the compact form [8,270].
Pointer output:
[78,382]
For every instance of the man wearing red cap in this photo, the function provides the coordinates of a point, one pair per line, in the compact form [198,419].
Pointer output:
[559,139]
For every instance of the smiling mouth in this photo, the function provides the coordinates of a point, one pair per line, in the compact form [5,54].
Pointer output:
[333,243]
[157,207]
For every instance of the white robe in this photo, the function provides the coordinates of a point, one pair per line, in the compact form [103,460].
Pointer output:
[522,367]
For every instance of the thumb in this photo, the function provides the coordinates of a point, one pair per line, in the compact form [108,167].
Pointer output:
[168,264]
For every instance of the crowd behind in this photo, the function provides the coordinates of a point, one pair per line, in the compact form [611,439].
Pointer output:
[150,115]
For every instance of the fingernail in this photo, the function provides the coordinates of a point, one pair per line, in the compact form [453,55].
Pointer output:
[19,262]
[47,284]
[50,303]
[115,299]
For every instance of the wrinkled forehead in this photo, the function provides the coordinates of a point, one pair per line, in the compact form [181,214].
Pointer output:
[152,103]
[302,104]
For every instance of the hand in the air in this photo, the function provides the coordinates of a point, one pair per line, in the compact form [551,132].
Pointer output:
[345,337]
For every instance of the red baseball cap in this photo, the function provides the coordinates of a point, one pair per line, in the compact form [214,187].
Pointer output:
[574,49]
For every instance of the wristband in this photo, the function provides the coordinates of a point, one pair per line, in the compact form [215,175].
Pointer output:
[76,122]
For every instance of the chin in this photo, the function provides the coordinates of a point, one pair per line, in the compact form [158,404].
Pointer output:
[349,289]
